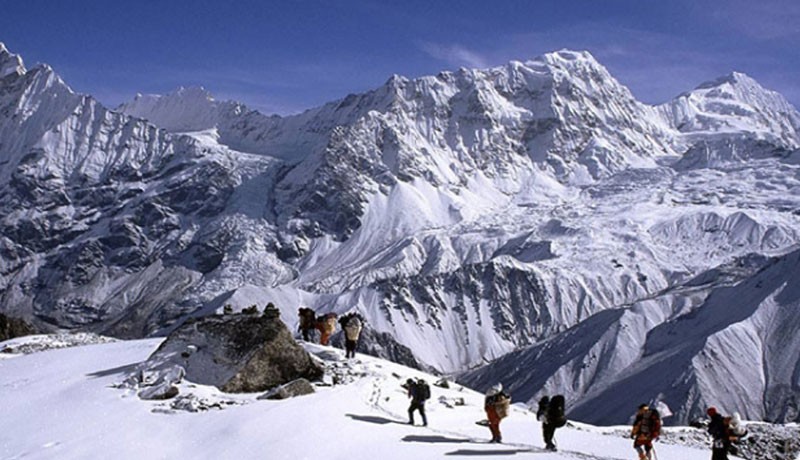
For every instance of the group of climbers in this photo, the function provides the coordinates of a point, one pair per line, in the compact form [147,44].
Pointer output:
[352,324]
[725,431]
[550,413]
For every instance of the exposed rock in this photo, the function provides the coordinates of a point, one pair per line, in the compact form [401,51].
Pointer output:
[443,383]
[292,389]
[38,343]
[193,403]
[236,353]
[159,392]
[13,327]
[159,384]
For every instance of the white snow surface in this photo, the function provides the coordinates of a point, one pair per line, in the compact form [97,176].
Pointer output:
[65,404]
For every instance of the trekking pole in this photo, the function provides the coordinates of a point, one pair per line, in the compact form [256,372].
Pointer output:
[655,455]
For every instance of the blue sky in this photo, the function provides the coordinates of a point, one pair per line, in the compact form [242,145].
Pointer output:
[287,56]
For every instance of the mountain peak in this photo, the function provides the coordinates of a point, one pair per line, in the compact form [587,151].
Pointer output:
[190,108]
[734,79]
[10,63]
[736,102]
[571,55]
[192,92]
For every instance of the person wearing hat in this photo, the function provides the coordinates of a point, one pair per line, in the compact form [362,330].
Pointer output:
[496,406]
[719,433]
[646,429]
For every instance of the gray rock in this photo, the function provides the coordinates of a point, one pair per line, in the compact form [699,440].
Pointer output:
[236,353]
[160,383]
[292,389]
[159,392]
[13,327]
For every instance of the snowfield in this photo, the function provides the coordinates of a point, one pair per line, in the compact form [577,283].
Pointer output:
[64,403]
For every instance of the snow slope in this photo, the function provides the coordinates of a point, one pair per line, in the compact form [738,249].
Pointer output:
[63,404]
[686,347]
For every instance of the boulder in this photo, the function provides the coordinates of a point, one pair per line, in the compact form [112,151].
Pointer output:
[292,389]
[159,392]
[13,327]
[160,383]
[236,353]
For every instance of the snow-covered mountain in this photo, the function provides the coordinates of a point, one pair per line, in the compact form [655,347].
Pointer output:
[720,338]
[468,215]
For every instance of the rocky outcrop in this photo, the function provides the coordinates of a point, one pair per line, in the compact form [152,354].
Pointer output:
[13,327]
[236,353]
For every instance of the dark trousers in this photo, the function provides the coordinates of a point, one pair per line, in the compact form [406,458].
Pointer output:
[420,406]
[719,453]
[494,423]
[350,348]
[548,431]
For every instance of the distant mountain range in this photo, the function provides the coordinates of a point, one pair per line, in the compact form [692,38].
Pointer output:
[532,223]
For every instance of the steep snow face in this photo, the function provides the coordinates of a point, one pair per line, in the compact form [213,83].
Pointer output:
[80,223]
[466,214]
[53,133]
[687,347]
[735,111]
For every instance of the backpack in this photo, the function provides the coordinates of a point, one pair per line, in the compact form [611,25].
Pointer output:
[423,390]
[541,412]
[352,328]
[501,405]
[734,427]
[307,318]
[555,411]
[327,323]
[650,426]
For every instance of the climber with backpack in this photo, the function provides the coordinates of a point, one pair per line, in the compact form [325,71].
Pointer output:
[352,324]
[496,405]
[419,392]
[552,414]
[725,431]
[307,323]
[327,326]
[646,429]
